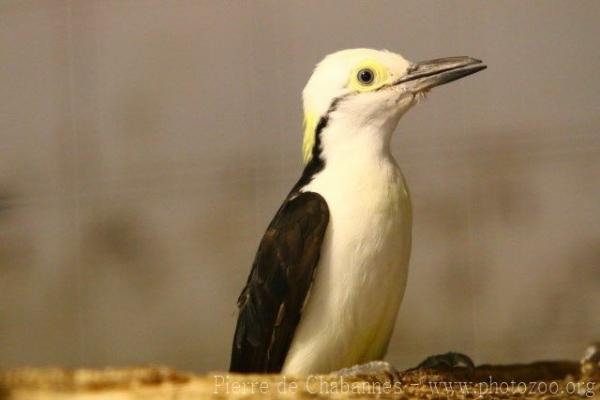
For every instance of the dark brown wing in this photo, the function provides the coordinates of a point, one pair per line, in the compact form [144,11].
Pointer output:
[271,303]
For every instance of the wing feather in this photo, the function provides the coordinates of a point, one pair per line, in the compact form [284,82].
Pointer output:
[271,303]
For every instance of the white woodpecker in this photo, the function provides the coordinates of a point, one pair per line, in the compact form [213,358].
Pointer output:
[330,272]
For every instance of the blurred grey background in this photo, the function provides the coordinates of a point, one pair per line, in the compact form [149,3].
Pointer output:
[145,145]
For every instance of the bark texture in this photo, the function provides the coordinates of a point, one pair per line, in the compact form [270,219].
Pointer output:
[557,380]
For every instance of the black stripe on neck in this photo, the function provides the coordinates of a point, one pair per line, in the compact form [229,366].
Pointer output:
[316,162]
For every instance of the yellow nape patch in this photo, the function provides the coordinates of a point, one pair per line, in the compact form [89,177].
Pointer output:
[381,76]
[310,130]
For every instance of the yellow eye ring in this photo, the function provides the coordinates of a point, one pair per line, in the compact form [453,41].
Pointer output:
[368,75]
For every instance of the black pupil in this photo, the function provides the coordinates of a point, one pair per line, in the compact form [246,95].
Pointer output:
[365,76]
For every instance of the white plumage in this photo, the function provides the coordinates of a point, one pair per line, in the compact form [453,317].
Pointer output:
[360,279]
[330,273]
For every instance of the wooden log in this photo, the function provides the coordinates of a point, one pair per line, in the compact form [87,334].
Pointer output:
[557,380]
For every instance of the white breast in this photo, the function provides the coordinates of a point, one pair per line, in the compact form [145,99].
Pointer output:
[359,283]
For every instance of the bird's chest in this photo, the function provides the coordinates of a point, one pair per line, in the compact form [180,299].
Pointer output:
[363,267]
[370,235]
[369,232]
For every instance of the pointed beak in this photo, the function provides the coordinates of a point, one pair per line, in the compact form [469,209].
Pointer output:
[425,75]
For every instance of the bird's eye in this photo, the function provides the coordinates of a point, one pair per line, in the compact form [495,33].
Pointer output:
[365,76]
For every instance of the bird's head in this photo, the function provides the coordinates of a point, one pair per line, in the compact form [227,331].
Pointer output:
[364,92]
